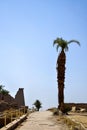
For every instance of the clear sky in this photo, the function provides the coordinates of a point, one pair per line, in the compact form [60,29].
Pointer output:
[27,56]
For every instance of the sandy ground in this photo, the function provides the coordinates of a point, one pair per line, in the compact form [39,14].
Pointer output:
[43,120]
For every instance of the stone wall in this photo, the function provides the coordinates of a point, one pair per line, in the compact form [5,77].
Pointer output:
[7,101]
[19,97]
[7,98]
[77,105]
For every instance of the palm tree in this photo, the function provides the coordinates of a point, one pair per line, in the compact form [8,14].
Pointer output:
[61,60]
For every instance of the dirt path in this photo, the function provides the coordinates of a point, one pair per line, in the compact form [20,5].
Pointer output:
[42,121]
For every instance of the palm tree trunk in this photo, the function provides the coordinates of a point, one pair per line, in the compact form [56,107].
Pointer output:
[61,77]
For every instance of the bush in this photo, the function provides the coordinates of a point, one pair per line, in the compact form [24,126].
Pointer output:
[56,112]
[66,109]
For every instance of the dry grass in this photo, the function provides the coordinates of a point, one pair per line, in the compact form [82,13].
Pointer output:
[10,116]
[75,122]
[80,118]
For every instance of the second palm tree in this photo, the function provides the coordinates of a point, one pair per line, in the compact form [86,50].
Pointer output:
[63,44]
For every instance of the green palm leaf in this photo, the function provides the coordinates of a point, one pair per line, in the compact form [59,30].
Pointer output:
[74,41]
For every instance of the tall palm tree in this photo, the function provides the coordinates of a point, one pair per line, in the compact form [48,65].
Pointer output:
[61,60]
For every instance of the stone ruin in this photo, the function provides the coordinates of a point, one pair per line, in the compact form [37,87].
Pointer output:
[19,97]
[77,107]
[8,101]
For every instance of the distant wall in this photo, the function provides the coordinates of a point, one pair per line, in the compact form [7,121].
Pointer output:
[78,105]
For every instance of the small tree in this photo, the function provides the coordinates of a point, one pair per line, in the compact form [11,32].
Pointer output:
[3,91]
[1,88]
[37,104]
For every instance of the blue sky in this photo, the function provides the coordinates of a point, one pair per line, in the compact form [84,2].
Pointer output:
[27,56]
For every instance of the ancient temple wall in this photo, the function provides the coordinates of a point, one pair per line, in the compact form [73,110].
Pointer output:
[19,97]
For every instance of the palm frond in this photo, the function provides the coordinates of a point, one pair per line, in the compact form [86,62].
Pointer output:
[74,41]
[55,42]
[57,47]
[66,48]
[60,43]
